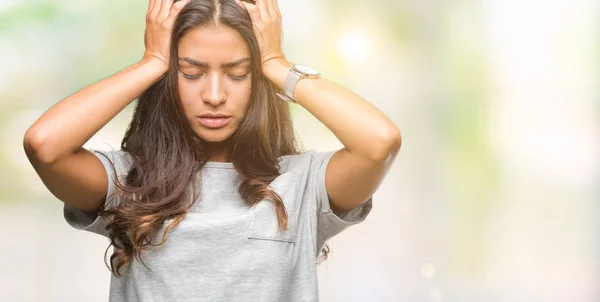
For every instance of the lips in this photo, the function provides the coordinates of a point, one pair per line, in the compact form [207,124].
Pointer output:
[214,115]
[214,122]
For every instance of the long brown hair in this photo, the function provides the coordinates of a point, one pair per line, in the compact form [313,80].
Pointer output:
[166,154]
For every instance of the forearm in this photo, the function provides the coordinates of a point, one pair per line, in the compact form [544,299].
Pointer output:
[67,125]
[358,124]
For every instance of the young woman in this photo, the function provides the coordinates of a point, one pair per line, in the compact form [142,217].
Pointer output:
[209,198]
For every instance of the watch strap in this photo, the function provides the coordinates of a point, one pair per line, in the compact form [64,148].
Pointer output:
[291,80]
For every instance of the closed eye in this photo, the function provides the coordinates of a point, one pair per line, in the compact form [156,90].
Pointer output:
[238,78]
[233,77]
[191,77]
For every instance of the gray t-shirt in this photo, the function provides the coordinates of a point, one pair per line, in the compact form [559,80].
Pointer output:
[225,251]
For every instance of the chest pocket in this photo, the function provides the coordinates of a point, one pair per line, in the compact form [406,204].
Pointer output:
[263,216]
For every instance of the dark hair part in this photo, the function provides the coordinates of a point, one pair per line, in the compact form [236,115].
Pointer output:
[166,154]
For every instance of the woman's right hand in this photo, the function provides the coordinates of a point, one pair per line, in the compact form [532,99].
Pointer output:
[159,26]
[54,143]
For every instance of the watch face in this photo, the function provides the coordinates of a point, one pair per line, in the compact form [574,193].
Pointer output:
[306,69]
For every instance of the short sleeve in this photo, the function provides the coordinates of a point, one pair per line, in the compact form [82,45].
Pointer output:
[91,222]
[328,223]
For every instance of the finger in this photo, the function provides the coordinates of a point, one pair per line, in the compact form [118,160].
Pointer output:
[265,15]
[165,8]
[155,9]
[253,11]
[274,9]
[175,10]
[150,5]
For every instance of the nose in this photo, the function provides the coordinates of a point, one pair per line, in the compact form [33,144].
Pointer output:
[214,92]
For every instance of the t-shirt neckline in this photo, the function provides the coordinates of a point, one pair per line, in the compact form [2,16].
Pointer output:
[218,164]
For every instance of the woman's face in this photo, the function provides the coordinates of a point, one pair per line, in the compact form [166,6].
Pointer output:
[214,78]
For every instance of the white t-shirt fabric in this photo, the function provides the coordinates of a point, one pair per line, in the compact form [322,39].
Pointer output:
[224,250]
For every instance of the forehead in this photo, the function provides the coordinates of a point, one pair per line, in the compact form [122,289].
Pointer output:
[213,45]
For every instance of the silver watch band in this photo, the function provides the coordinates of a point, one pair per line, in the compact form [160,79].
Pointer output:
[294,75]
[290,82]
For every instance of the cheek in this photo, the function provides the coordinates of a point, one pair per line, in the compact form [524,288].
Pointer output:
[185,99]
[242,97]
[242,91]
[186,93]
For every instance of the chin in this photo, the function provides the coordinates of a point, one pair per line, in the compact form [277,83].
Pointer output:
[214,136]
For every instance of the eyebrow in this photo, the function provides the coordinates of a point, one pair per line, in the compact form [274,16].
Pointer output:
[224,65]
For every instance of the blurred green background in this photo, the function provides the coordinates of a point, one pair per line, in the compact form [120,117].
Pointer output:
[494,196]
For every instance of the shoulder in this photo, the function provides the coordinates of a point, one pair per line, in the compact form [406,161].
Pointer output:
[119,159]
[308,160]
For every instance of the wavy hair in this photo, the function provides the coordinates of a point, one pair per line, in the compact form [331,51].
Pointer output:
[166,154]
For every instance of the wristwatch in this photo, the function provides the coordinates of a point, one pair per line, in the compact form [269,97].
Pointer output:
[296,73]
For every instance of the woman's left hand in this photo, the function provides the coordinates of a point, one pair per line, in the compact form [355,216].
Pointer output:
[266,20]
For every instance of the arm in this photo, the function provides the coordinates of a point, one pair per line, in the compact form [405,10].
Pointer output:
[65,127]
[54,142]
[371,141]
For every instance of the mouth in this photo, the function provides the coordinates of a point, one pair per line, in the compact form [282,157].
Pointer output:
[214,122]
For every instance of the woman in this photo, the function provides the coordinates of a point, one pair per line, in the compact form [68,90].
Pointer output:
[209,198]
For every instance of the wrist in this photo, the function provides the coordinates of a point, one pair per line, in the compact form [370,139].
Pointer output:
[155,62]
[276,70]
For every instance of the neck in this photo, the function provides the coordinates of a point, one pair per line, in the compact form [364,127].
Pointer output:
[218,152]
